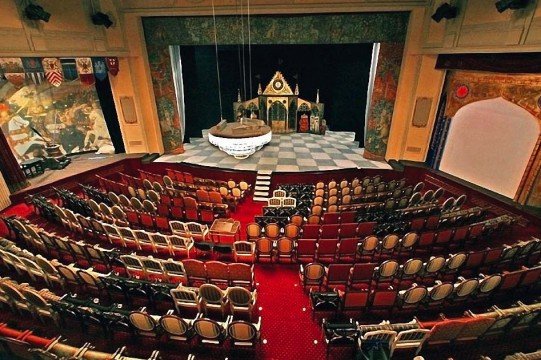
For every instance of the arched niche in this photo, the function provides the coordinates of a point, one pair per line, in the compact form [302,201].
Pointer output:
[490,143]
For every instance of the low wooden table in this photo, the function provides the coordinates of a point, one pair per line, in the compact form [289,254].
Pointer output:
[224,231]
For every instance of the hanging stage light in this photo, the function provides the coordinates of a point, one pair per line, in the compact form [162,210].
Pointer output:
[100,18]
[503,5]
[36,12]
[445,11]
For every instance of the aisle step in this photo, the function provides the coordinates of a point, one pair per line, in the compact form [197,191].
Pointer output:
[260,182]
[258,198]
[261,193]
[262,188]
[264,172]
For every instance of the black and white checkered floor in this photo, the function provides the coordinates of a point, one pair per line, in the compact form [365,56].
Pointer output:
[285,152]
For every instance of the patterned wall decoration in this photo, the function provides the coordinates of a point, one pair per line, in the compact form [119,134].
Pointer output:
[465,87]
[160,32]
[378,123]
[294,29]
[524,90]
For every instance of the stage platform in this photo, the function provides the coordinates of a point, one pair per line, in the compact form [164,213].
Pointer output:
[81,165]
[285,153]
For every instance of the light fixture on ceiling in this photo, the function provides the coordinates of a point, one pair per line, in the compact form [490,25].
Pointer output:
[100,18]
[503,5]
[36,12]
[445,11]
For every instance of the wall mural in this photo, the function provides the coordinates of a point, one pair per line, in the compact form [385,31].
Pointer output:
[160,32]
[69,115]
[524,90]
[380,114]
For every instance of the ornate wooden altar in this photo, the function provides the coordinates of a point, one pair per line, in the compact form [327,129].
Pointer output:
[281,108]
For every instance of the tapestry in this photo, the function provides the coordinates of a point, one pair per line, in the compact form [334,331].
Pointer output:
[380,114]
[273,29]
[69,115]
[160,32]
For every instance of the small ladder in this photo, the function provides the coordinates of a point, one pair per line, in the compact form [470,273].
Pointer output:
[262,185]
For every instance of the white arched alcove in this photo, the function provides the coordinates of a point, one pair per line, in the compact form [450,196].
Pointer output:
[489,144]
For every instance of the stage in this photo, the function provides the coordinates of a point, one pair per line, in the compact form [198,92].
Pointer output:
[297,152]
[82,166]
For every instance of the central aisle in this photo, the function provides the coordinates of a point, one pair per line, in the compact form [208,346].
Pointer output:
[285,314]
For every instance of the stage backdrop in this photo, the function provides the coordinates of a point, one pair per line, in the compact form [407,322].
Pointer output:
[340,72]
[495,140]
[160,32]
[69,115]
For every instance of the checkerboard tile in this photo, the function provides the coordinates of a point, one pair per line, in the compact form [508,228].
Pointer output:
[286,152]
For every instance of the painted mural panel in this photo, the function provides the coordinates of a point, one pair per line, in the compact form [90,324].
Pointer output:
[69,115]
[378,122]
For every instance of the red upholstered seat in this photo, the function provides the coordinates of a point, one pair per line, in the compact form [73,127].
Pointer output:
[348,230]
[195,270]
[348,217]
[306,250]
[331,218]
[355,300]
[366,228]
[361,275]
[329,231]
[347,248]
[326,250]
[384,298]
[337,274]
[310,231]
[162,224]
[147,221]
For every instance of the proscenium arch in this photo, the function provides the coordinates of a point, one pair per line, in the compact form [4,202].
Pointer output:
[490,143]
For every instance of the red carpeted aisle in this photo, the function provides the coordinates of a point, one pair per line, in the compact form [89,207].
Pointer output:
[287,327]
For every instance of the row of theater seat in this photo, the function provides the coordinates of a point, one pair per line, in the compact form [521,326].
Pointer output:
[439,296]
[149,268]
[416,335]
[25,344]
[390,272]
[44,305]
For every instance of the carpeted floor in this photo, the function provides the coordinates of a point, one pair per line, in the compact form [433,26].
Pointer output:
[288,331]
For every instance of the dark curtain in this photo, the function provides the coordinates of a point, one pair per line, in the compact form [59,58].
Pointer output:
[340,72]
[505,63]
[437,143]
[103,88]
[11,171]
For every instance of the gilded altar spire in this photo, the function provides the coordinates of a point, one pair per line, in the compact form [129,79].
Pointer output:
[297,89]
[317,97]
[238,96]
[259,89]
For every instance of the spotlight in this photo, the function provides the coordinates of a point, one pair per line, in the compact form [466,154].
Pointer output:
[445,11]
[100,18]
[36,12]
[503,5]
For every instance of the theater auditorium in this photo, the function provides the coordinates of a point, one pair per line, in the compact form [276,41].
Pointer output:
[270,179]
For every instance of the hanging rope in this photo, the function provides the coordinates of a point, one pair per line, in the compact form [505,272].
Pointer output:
[239,44]
[249,50]
[243,54]
[217,60]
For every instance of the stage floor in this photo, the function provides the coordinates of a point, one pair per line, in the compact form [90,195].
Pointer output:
[286,152]
[79,164]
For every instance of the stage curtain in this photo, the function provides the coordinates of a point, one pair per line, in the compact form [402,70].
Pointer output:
[11,171]
[103,89]
[503,63]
